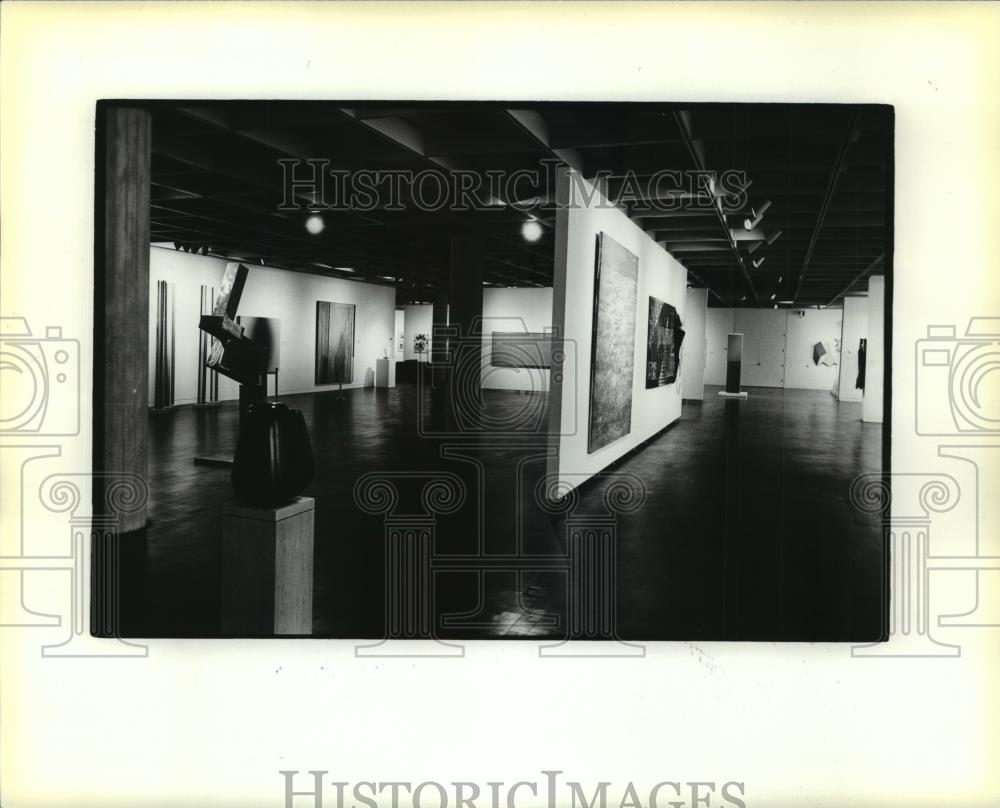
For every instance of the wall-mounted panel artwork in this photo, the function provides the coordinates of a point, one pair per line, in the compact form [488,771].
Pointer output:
[663,344]
[265,332]
[517,349]
[612,355]
[334,342]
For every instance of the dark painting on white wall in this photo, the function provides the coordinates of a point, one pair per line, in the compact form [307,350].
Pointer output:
[334,342]
[266,333]
[612,355]
[521,350]
[663,344]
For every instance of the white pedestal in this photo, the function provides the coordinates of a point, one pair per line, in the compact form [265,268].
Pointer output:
[267,569]
[385,373]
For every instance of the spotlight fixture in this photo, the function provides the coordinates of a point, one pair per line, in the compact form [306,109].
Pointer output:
[756,215]
[758,261]
[531,231]
[774,296]
[781,278]
[177,245]
[315,224]
[773,237]
[776,305]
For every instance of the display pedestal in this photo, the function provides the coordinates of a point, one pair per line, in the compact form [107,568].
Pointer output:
[385,373]
[267,568]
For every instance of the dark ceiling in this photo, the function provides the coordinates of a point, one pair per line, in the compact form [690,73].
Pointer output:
[826,170]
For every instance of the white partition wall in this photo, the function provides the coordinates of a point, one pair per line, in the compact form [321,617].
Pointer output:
[871,408]
[693,350]
[806,328]
[659,274]
[777,346]
[417,319]
[288,296]
[521,310]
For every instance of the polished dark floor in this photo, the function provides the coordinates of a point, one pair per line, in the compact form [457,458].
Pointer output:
[746,533]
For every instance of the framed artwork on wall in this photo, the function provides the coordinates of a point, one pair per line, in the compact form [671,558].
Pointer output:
[663,344]
[334,342]
[521,350]
[612,353]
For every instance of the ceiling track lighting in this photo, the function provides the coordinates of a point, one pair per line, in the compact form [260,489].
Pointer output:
[756,215]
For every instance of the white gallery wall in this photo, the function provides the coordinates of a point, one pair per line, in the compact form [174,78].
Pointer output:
[417,319]
[288,296]
[694,349]
[660,275]
[519,310]
[871,408]
[855,329]
[777,346]
[805,328]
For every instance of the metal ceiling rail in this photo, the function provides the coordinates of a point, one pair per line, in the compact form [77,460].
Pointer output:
[831,187]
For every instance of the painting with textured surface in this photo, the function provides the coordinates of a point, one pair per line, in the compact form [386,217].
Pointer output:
[334,342]
[663,344]
[612,356]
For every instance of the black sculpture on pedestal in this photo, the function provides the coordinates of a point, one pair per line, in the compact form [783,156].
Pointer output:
[274,460]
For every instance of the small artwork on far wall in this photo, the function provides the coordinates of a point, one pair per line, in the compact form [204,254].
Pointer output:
[334,342]
[663,344]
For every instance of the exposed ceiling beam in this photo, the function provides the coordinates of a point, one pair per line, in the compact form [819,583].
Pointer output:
[535,125]
[864,273]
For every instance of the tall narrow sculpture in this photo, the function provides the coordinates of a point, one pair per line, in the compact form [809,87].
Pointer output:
[734,366]
[163,380]
[208,379]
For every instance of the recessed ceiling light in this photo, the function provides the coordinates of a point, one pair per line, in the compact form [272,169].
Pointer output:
[532,231]
[315,224]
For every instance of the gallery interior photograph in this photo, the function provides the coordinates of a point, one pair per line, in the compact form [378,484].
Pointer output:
[556,371]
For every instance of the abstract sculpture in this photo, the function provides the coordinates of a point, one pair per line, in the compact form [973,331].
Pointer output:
[274,460]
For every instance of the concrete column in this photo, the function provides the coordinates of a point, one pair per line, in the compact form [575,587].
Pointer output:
[121,309]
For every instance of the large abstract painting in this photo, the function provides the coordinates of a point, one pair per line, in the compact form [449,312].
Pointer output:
[334,342]
[512,349]
[612,356]
[265,332]
[663,344]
